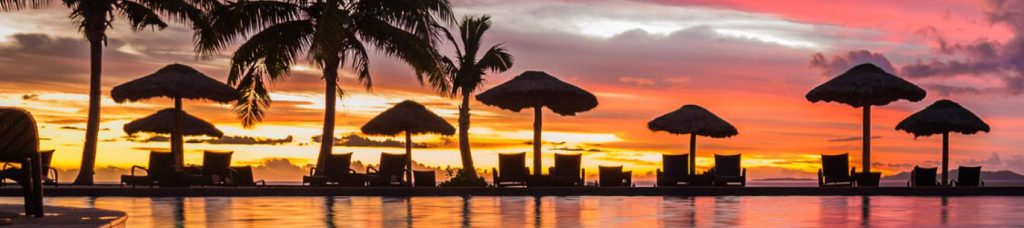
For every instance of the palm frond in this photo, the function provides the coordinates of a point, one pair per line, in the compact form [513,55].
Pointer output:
[237,19]
[255,100]
[271,51]
[497,59]
[140,17]
[413,50]
[11,5]
[416,17]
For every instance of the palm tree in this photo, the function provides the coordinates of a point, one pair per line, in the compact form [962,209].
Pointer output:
[93,18]
[331,34]
[466,73]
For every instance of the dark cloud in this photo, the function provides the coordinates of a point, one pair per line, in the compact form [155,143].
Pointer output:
[838,64]
[946,90]
[578,149]
[983,56]
[360,141]
[30,97]
[243,140]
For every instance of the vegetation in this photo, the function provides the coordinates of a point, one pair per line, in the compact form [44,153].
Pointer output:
[328,33]
[462,178]
[93,18]
[466,73]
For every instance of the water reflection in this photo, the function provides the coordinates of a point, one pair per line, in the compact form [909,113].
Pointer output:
[530,211]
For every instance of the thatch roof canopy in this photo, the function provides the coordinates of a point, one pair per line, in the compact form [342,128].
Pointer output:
[941,117]
[408,116]
[175,81]
[163,121]
[866,84]
[533,88]
[693,119]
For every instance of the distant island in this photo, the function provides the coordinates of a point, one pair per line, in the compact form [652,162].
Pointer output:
[985,175]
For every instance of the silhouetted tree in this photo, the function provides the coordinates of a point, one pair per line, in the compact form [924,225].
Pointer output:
[330,33]
[466,73]
[93,18]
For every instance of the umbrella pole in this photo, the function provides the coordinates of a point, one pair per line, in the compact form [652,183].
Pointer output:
[536,140]
[408,157]
[945,158]
[693,154]
[177,141]
[867,140]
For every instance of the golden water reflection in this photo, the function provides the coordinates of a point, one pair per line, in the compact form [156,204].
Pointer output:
[528,211]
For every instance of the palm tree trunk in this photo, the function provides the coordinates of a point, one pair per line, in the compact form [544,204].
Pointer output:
[85,173]
[867,140]
[536,139]
[327,138]
[464,150]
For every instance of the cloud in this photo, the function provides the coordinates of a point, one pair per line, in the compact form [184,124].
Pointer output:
[243,140]
[838,64]
[946,90]
[360,141]
[983,56]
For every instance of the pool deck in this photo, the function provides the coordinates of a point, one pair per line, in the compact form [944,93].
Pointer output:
[64,217]
[114,190]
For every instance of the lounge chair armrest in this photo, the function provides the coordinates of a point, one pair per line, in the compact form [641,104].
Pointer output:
[138,167]
[312,170]
[368,168]
[261,183]
[744,173]
[853,171]
[352,171]
[657,172]
[6,165]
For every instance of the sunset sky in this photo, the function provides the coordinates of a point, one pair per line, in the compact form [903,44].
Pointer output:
[750,62]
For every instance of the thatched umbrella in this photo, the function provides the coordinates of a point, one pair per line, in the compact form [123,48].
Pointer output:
[409,117]
[175,81]
[536,89]
[943,117]
[693,120]
[162,122]
[864,86]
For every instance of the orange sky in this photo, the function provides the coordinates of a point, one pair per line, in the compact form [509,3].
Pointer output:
[750,62]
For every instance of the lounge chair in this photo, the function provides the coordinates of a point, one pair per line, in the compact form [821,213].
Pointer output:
[424,178]
[337,169]
[675,170]
[727,170]
[161,167]
[390,172]
[513,171]
[969,177]
[833,171]
[923,177]
[49,176]
[19,143]
[242,176]
[613,176]
[567,171]
[216,169]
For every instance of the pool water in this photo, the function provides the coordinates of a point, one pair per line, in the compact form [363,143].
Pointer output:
[585,211]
